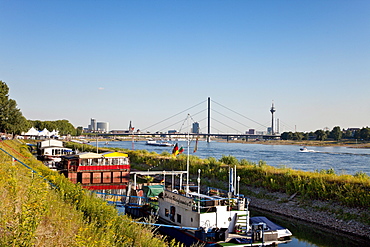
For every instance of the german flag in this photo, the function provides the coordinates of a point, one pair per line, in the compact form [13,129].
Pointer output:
[196,145]
[175,150]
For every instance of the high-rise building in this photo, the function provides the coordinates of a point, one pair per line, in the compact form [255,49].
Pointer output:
[251,132]
[102,126]
[195,128]
[92,125]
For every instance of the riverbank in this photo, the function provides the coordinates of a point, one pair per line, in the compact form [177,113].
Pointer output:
[343,143]
[328,215]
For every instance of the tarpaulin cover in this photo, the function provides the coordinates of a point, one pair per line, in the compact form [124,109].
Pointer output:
[153,190]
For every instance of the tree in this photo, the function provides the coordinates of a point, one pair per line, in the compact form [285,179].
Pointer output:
[63,126]
[348,134]
[305,136]
[365,133]
[287,136]
[297,136]
[11,118]
[79,130]
[320,135]
[336,133]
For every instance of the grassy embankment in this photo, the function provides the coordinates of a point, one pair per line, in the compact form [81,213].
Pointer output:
[35,213]
[325,185]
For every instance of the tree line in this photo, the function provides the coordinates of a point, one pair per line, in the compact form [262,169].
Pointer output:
[336,134]
[13,122]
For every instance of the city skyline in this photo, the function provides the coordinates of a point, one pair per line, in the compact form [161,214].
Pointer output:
[146,61]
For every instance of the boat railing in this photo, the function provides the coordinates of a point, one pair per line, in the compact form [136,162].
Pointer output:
[206,204]
[220,192]
[123,200]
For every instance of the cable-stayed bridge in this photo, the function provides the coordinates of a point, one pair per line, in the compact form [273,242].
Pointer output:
[210,120]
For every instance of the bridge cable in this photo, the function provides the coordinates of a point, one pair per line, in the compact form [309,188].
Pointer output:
[175,115]
[287,125]
[232,119]
[239,114]
[187,119]
[180,122]
[226,125]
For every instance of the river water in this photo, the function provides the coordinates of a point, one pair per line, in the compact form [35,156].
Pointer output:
[343,160]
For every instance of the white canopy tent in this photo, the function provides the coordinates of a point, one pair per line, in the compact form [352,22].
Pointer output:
[31,132]
[54,133]
[44,132]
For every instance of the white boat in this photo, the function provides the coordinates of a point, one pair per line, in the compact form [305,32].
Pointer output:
[305,150]
[216,220]
[160,144]
[51,150]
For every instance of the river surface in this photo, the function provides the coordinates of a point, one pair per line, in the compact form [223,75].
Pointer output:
[343,160]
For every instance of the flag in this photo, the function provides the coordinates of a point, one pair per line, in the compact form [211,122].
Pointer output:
[175,150]
[162,181]
[181,150]
[196,145]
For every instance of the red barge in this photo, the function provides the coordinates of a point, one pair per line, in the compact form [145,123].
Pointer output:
[105,171]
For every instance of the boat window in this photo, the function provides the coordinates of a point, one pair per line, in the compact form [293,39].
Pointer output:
[173,212]
[166,212]
[178,218]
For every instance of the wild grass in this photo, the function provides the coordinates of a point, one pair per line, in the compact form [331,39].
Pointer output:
[349,190]
[34,213]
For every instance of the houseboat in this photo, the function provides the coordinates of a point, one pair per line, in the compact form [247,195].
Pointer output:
[216,218]
[51,151]
[98,171]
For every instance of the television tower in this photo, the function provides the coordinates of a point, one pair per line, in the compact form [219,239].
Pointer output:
[272,110]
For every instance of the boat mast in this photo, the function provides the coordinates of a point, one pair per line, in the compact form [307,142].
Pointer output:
[97,148]
[187,159]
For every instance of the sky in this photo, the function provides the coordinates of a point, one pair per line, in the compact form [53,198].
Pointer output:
[155,62]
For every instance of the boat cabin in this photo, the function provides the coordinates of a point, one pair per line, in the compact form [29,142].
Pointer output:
[199,210]
[110,170]
[52,150]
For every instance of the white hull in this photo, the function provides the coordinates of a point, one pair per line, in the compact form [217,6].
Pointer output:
[211,214]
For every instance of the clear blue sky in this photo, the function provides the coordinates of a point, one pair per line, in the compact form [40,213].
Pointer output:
[145,61]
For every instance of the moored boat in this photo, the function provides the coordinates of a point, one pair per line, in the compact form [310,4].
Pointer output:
[104,171]
[212,219]
[160,144]
[51,152]
[218,219]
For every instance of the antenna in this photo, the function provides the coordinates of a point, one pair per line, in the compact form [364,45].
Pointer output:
[272,110]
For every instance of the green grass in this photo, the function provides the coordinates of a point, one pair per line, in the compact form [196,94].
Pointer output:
[33,213]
